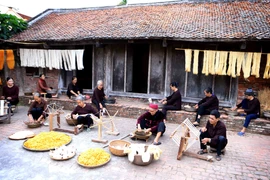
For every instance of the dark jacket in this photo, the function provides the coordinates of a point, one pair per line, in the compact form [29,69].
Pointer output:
[253,106]
[12,92]
[98,95]
[210,103]
[85,110]
[74,88]
[35,104]
[175,99]
[215,132]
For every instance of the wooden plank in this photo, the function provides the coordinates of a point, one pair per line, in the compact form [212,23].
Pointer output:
[181,148]
[100,141]
[206,158]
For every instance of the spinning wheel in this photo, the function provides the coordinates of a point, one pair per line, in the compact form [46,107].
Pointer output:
[182,138]
[100,123]
[55,110]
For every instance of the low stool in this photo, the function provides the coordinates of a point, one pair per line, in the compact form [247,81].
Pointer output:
[14,108]
[213,150]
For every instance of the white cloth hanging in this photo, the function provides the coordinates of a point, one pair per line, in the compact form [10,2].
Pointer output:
[79,58]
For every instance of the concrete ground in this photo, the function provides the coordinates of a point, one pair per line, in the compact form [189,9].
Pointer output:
[246,157]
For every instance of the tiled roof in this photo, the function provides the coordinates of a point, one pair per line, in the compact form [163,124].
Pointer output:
[224,21]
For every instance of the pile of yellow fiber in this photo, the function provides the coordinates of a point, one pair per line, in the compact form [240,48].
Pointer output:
[47,140]
[94,157]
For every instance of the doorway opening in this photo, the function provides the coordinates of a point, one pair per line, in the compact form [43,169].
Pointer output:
[139,70]
[84,76]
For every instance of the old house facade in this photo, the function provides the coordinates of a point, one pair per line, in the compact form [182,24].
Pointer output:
[139,49]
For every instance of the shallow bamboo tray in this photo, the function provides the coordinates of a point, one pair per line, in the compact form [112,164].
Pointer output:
[116,147]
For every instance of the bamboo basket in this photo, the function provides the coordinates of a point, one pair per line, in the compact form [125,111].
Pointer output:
[32,124]
[116,147]
[71,121]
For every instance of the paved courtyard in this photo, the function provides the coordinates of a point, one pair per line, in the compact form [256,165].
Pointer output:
[246,157]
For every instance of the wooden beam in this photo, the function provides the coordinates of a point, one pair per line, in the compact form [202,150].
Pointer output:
[149,68]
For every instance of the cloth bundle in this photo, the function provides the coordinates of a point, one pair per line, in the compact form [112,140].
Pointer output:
[57,59]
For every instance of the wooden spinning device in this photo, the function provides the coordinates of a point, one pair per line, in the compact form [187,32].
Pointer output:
[181,137]
[55,110]
[103,123]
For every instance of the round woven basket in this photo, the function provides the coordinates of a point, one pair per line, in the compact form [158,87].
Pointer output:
[70,121]
[190,109]
[232,113]
[32,124]
[116,147]
[52,91]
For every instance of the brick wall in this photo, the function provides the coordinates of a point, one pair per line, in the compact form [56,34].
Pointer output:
[30,82]
[256,84]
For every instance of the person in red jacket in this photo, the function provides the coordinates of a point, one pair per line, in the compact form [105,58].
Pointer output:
[152,121]
[42,86]
[172,102]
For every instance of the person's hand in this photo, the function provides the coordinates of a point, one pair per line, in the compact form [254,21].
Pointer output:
[240,111]
[204,129]
[139,128]
[234,108]
[9,98]
[49,89]
[205,140]
[30,118]
[100,106]
[148,130]
[164,120]
[164,102]
[196,106]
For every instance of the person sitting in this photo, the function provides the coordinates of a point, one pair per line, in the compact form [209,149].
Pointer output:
[213,134]
[99,96]
[172,102]
[11,92]
[43,88]
[84,110]
[206,105]
[73,89]
[152,121]
[37,109]
[251,107]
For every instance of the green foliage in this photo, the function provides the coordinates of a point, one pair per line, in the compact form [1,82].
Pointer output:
[123,2]
[10,25]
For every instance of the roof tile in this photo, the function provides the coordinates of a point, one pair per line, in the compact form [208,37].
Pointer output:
[233,20]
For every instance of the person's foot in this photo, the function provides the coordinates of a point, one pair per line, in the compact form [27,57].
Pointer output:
[218,157]
[157,143]
[196,123]
[202,151]
[241,133]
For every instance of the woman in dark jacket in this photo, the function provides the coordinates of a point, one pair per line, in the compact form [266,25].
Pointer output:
[172,102]
[73,89]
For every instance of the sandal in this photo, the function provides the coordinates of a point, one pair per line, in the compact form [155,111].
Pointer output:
[157,143]
[200,152]
[196,123]
[218,157]
[241,133]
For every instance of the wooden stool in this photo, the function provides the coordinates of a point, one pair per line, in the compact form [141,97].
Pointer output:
[44,95]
